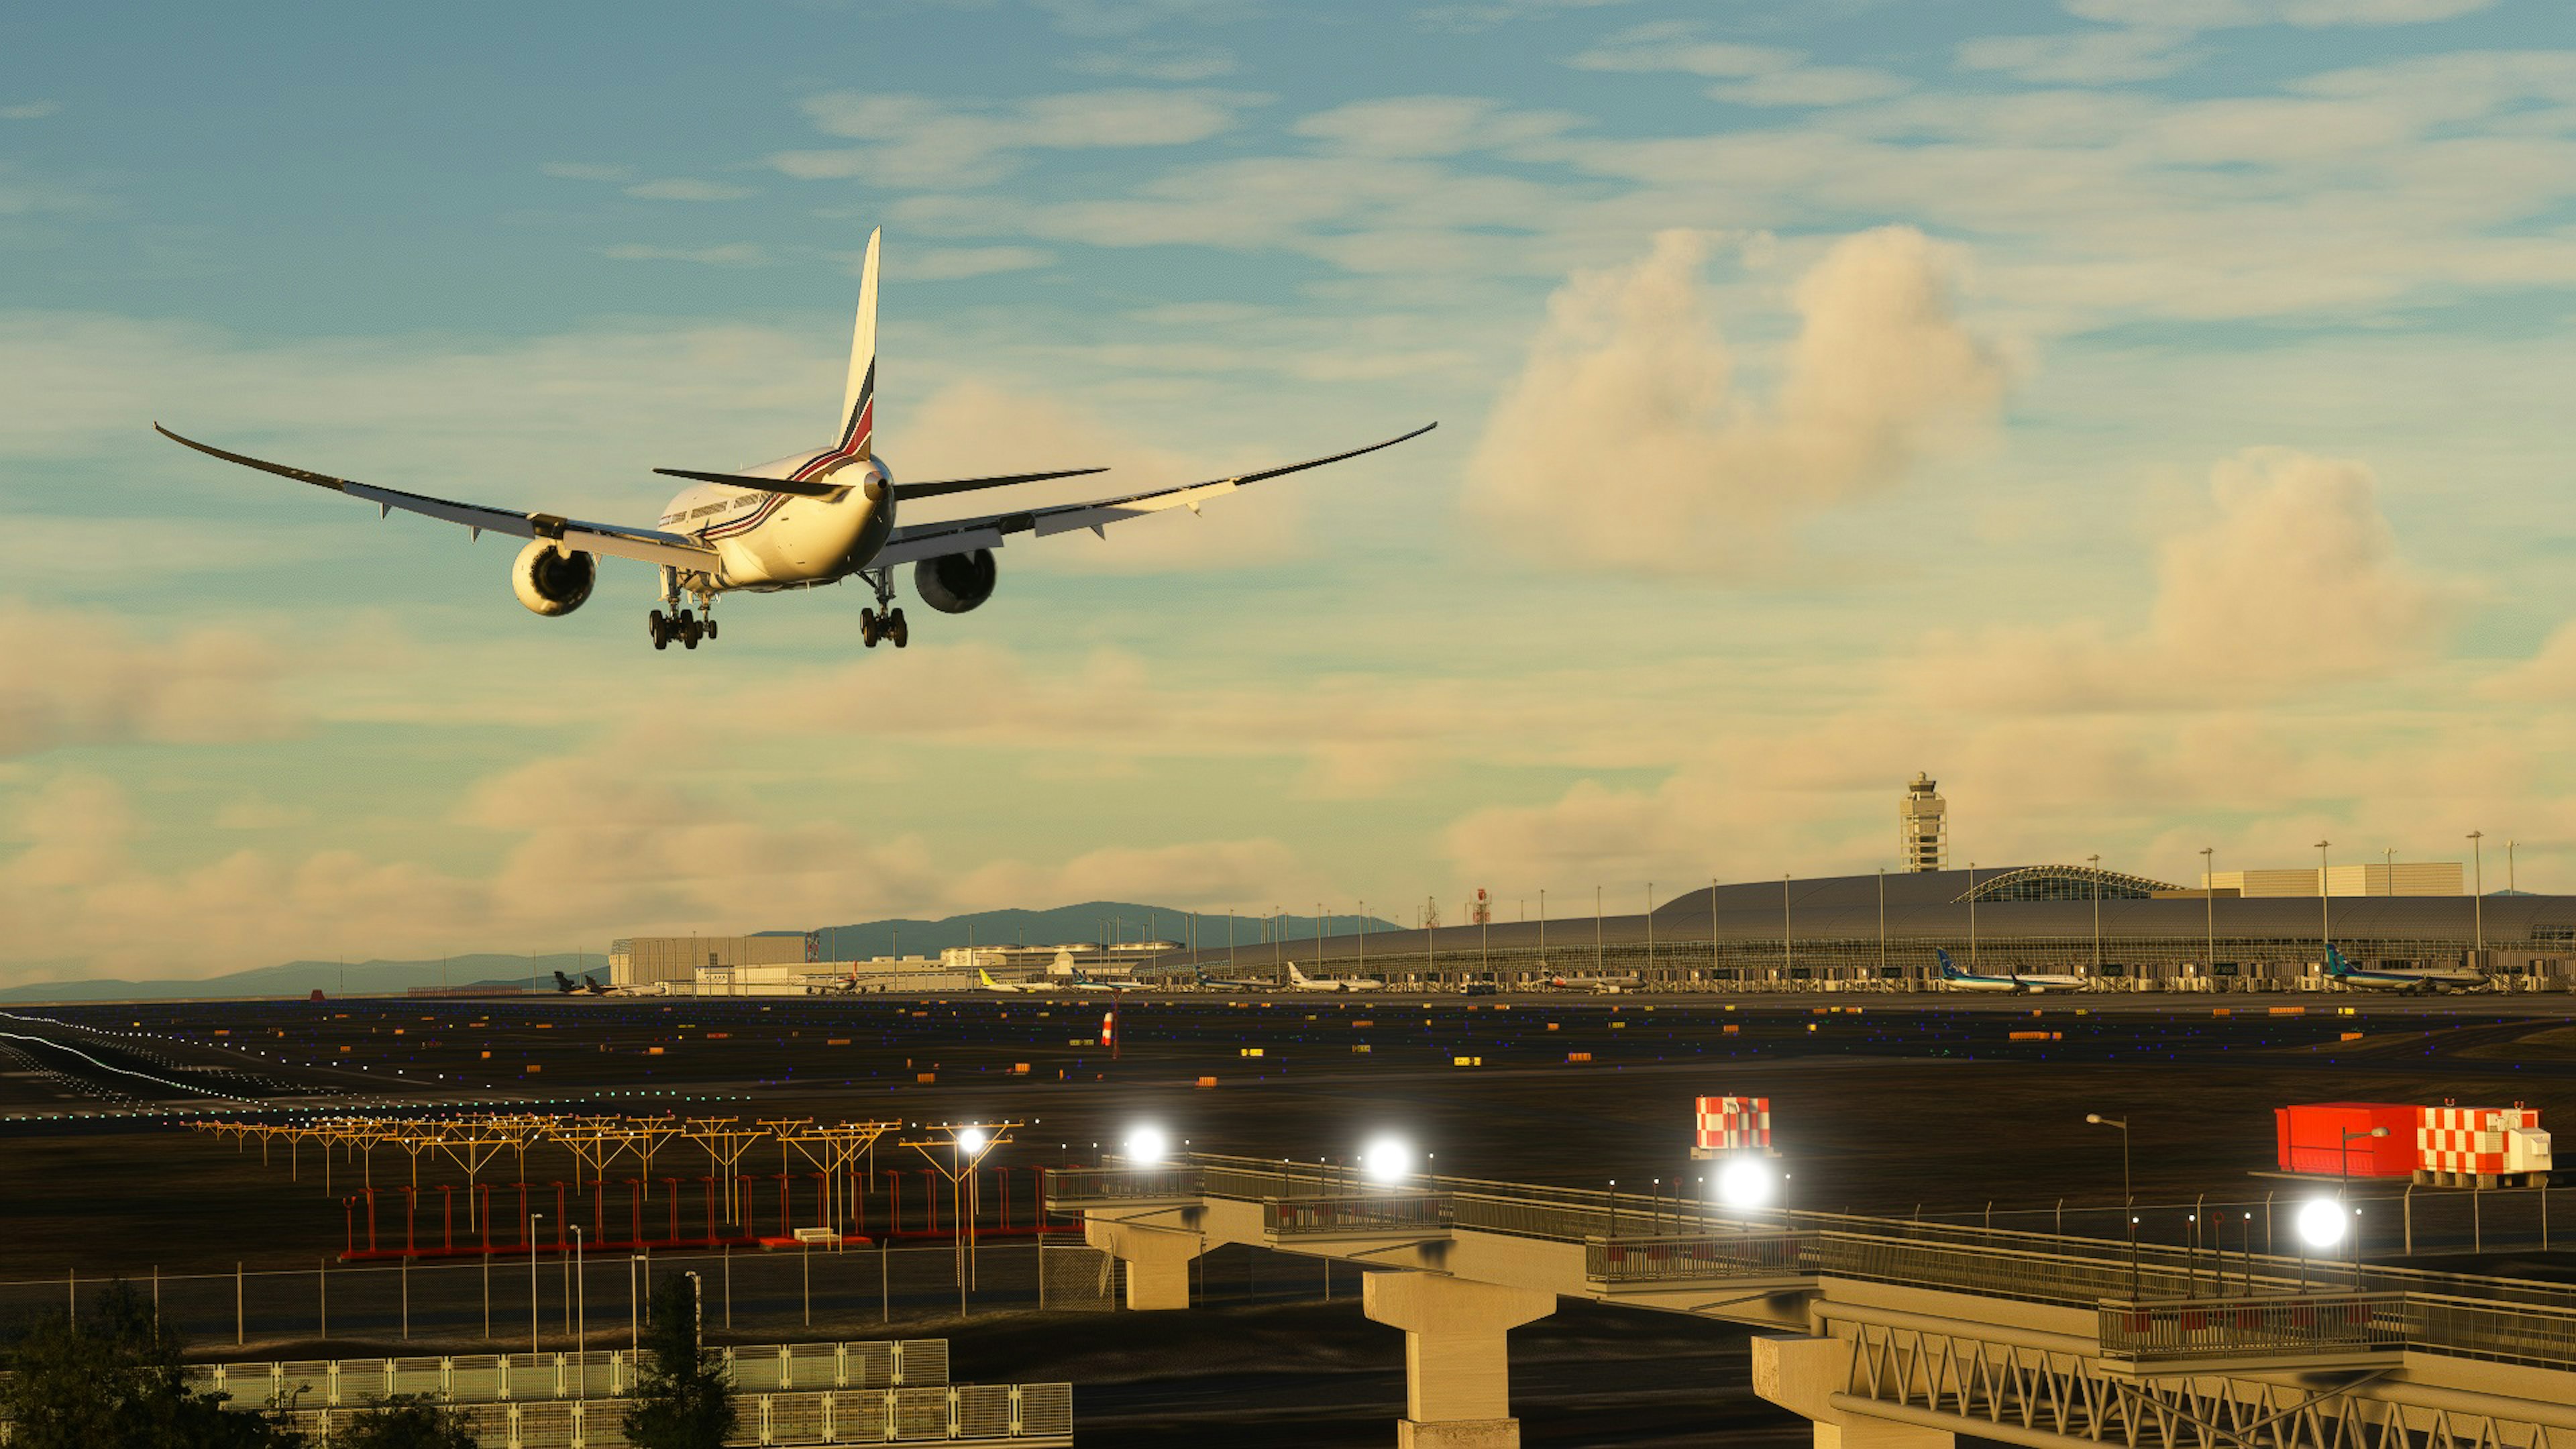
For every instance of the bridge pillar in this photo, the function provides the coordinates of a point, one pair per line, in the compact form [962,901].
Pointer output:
[1157,1259]
[1457,1367]
[1803,1374]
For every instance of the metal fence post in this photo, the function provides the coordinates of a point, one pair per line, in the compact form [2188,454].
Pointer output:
[322,1294]
[238,1319]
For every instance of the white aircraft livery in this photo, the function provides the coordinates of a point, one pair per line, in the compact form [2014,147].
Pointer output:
[815,517]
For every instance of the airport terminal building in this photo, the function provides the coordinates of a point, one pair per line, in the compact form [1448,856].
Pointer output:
[2255,931]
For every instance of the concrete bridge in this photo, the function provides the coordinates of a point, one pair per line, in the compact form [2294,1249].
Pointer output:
[1887,1334]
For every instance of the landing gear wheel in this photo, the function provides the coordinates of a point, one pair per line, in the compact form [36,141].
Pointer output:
[868,631]
[661,629]
[711,626]
[691,632]
[897,630]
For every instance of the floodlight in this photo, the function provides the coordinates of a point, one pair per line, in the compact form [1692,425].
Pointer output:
[1386,1160]
[1744,1183]
[971,1140]
[2321,1222]
[1147,1145]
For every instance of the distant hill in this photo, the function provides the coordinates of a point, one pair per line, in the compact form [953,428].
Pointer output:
[332,978]
[1103,921]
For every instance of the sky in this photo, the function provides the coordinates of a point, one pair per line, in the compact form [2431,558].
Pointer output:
[2147,416]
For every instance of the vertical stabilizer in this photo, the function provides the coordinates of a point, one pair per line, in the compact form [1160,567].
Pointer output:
[859,399]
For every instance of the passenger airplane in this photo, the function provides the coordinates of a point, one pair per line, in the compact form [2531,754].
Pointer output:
[2426,980]
[1300,981]
[1218,983]
[1958,980]
[1014,988]
[815,517]
[1598,985]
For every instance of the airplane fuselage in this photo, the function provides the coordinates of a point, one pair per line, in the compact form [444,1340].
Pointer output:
[769,541]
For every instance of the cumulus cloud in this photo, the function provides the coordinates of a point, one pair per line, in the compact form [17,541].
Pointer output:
[1626,443]
[1430,126]
[922,141]
[74,678]
[29,110]
[688,188]
[2086,57]
[1156,60]
[2307,14]
[2294,579]
[948,264]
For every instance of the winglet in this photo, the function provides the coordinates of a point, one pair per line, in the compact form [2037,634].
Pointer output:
[858,400]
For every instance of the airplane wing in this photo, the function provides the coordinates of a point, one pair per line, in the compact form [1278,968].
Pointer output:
[643,544]
[960,535]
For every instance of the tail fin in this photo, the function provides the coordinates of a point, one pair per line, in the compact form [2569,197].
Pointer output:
[858,400]
[1295,976]
[2335,964]
[562,982]
[1948,967]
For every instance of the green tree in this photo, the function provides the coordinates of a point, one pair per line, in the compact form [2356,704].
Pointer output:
[683,1394]
[405,1422]
[114,1381]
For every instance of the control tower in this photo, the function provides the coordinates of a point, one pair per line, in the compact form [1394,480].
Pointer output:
[1923,826]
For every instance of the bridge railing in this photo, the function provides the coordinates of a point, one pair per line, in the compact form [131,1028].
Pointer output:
[1357,1215]
[1073,1188]
[1614,1262]
[2510,1332]
[2328,1324]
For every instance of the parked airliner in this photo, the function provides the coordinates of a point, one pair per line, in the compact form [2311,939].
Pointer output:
[813,517]
[1300,981]
[1958,980]
[2425,980]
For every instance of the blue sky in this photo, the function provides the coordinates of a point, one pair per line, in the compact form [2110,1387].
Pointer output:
[2146,415]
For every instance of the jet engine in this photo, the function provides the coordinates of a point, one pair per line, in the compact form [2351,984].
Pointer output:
[552,579]
[954,583]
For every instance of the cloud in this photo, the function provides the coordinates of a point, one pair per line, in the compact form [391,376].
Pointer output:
[1814,85]
[2088,57]
[688,188]
[585,171]
[2293,580]
[1676,46]
[953,263]
[922,141]
[1156,60]
[84,679]
[2549,674]
[730,254]
[2307,14]
[1201,875]
[1430,126]
[30,110]
[1626,444]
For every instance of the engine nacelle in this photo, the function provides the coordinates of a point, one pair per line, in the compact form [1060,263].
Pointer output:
[954,583]
[552,579]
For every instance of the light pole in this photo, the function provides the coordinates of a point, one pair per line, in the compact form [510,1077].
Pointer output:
[581,1300]
[1882,923]
[2511,888]
[2389,867]
[1972,915]
[2478,900]
[2209,900]
[2128,1196]
[2325,896]
[533,1220]
[1596,931]
[1542,930]
[1650,925]
[2096,862]
[1788,962]
[2343,1190]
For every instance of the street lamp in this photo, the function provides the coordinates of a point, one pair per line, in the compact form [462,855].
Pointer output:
[2343,1190]
[1147,1145]
[2209,904]
[2128,1197]
[2095,861]
[2325,896]
[1386,1161]
[2478,900]
[1744,1184]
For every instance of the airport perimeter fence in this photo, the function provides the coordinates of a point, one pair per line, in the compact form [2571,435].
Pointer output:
[765,1296]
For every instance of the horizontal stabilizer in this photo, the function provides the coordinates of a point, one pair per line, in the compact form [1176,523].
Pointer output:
[969,485]
[814,488]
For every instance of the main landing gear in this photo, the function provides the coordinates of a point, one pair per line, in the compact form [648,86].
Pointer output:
[885,621]
[683,626]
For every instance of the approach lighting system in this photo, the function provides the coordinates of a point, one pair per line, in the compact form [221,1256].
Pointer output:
[971,1140]
[2321,1222]
[1386,1160]
[1744,1183]
[1147,1146]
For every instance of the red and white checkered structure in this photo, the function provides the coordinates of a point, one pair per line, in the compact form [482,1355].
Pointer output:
[2480,1140]
[1734,1124]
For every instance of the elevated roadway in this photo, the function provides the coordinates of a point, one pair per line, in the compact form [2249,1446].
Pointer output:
[1886,1334]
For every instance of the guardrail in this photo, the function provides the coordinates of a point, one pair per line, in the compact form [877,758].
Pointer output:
[1360,1216]
[1023,1414]
[2331,1325]
[595,1374]
[1618,1262]
[1070,1188]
